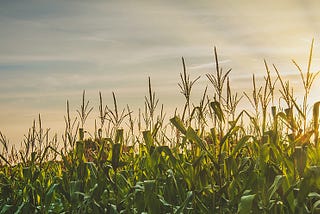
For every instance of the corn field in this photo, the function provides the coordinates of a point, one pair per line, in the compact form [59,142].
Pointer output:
[208,157]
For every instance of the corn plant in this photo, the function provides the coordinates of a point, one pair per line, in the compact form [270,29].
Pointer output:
[212,157]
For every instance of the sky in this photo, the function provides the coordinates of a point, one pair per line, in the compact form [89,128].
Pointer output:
[50,51]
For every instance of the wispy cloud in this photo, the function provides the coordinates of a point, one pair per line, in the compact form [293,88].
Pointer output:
[58,48]
[208,65]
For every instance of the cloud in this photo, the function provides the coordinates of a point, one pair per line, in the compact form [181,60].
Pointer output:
[55,49]
[208,65]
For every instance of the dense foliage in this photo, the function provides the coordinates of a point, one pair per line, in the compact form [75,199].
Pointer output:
[210,158]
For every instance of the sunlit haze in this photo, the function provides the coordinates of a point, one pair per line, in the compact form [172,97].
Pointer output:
[50,51]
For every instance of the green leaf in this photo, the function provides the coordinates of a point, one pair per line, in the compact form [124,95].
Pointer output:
[112,209]
[217,110]
[27,173]
[6,209]
[240,144]
[150,196]
[245,205]
[193,136]
[164,202]
[49,194]
[315,207]
[147,138]
[202,206]
[190,196]
[24,208]
[309,182]
[178,124]
[275,186]
[314,195]
[75,186]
